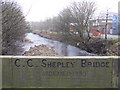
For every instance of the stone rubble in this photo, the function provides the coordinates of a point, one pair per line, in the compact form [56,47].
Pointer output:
[41,50]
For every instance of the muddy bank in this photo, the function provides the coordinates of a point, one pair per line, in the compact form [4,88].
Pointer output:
[95,45]
[41,50]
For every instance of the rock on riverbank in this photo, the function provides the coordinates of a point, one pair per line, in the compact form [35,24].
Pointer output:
[27,41]
[41,50]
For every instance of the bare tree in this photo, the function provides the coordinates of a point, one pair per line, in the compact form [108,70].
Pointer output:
[66,18]
[82,12]
[78,13]
[13,27]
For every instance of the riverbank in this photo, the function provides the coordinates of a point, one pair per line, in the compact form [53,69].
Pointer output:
[96,45]
[41,50]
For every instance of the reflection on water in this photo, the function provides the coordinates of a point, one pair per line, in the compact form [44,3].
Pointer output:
[61,48]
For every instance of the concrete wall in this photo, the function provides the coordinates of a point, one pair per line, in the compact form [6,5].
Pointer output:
[59,72]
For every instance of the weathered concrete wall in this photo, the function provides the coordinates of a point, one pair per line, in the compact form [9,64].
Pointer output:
[59,72]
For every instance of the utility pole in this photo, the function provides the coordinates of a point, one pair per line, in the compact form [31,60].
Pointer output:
[98,22]
[106,25]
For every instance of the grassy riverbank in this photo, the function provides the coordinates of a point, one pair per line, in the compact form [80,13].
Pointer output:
[96,45]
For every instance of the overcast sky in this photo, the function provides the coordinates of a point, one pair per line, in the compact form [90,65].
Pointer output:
[43,9]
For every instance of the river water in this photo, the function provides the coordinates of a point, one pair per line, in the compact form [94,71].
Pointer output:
[61,48]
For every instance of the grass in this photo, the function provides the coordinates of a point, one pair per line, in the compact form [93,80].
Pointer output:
[97,44]
[113,39]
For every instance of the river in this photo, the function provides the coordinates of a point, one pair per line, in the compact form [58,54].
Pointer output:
[59,47]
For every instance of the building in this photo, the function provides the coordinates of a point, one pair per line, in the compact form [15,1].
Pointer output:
[99,24]
[114,29]
[116,22]
[113,23]
[119,17]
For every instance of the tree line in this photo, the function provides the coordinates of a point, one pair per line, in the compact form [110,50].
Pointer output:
[74,18]
[14,27]
[78,13]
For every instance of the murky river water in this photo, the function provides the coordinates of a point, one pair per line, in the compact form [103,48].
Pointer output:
[61,48]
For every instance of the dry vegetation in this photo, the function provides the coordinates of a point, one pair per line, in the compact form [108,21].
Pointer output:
[94,45]
[14,27]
